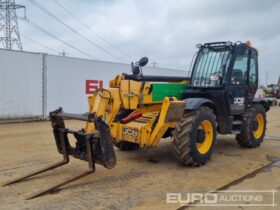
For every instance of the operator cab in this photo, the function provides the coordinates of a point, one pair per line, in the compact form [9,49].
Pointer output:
[225,73]
[221,63]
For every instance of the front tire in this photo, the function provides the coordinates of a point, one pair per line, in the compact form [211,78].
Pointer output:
[194,137]
[253,127]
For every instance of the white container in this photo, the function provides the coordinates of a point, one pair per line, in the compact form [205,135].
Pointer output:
[33,84]
[71,80]
[20,85]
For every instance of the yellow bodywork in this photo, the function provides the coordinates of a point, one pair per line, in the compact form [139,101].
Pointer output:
[134,96]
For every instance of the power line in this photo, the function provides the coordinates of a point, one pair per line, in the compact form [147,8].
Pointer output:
[55,37]
[70,28]
[63,53]
[38,43]
[101,36]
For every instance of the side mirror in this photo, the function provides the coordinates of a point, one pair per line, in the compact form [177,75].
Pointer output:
[136,70]
[143,61]
[215,77]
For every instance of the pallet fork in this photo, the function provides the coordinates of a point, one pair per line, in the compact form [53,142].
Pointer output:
[93,148]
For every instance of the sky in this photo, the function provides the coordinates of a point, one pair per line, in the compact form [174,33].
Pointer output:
[166,31]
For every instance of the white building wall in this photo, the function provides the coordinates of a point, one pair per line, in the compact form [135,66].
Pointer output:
[20,85]
[33,84]
[66,80]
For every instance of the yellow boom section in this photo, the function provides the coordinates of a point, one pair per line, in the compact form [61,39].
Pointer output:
[132,97]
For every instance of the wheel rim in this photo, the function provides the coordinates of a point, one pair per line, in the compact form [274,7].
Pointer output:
[260,126]
[204,147]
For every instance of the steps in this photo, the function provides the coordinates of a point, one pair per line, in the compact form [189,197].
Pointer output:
[236,125]
[237,122]
[235,132]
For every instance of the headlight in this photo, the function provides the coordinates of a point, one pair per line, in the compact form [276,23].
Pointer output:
[228,43]
[198,45]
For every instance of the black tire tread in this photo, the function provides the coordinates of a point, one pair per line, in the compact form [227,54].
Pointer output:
[181,137]
[245,139]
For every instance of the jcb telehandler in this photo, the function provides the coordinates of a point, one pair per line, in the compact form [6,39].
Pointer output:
[137,111]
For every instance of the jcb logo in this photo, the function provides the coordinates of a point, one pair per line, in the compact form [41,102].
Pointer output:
[93,85]
[238,100]
[130,132]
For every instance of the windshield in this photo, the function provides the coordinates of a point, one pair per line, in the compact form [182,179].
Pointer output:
[210,62]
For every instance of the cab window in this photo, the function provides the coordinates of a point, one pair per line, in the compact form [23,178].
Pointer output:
[253,69]
[239,72]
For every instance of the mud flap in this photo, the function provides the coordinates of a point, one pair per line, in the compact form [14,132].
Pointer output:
[175,111]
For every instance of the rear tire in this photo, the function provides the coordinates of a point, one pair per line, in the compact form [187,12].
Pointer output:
[126,146]
[194,137]
[253,127]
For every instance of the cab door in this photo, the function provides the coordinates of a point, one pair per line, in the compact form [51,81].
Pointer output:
[253,75]
[237,90]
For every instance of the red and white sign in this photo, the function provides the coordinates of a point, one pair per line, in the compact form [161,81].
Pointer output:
[93,85]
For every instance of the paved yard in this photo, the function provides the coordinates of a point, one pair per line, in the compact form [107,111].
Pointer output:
[141,178]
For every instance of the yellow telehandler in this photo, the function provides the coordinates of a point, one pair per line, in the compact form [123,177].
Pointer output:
[137,111]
